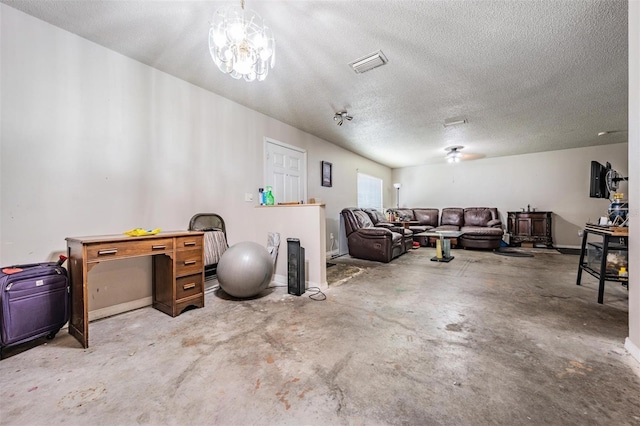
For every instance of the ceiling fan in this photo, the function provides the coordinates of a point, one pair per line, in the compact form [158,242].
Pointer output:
[453,153]
[341,116]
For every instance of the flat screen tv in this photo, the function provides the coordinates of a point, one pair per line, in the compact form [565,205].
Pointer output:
[598,181]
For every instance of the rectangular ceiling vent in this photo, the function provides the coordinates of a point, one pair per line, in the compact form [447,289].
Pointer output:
[369,62]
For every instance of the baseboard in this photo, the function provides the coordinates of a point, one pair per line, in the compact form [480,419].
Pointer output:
[332,253]
[564,246]
[632,349]
[120,308]
[280,279]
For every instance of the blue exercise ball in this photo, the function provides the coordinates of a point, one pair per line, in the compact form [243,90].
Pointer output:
[244,269]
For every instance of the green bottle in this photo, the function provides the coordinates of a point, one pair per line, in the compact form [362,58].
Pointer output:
[269,196]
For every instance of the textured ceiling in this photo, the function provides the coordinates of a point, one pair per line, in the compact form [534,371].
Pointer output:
[530,76]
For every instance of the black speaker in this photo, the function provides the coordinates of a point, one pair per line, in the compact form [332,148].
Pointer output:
[295,275]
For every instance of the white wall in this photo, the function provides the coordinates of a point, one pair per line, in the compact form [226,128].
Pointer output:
[556,181]
[95,143]
[633,342]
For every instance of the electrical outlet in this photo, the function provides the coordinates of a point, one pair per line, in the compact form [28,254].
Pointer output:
[248,196]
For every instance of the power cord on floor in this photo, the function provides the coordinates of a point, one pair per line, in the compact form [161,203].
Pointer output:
[318,295]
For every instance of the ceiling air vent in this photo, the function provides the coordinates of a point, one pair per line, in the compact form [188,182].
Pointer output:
[369,62]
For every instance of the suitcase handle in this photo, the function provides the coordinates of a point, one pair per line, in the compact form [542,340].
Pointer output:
[33,265]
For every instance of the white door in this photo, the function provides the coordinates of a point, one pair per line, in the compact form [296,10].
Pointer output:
[285,171]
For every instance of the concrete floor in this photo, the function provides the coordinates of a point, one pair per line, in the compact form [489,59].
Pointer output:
[484,339]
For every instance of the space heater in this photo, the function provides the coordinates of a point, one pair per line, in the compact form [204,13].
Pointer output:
[295,275]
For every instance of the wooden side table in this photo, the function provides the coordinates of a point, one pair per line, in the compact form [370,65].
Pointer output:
[608,234]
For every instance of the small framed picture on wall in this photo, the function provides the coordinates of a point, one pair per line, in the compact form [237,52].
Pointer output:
[326,174]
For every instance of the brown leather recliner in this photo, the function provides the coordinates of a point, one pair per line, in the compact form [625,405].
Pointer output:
[451,219]
[368,242]
[482,228]
[427,217]
[379,220]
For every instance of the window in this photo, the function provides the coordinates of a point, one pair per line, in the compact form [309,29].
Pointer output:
[369,192]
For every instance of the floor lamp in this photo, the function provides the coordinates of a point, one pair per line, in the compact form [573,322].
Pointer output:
[397,187]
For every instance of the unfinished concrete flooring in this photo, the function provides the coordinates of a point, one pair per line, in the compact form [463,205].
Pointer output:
[484,339]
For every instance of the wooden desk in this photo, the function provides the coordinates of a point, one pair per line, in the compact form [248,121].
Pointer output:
[178,270]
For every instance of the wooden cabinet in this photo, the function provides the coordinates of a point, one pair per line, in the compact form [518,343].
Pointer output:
[530,227]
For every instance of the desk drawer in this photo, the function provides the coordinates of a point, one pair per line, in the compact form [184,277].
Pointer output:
[191,242]
[131,248]
[188,286]
[188,262]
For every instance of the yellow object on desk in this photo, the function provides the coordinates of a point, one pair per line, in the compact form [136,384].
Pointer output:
[139,232]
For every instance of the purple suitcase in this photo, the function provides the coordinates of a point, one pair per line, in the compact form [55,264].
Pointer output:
[33,302]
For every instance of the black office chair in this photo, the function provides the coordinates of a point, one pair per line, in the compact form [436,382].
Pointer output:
[215,239]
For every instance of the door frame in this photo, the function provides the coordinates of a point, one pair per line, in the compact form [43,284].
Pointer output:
[303,151]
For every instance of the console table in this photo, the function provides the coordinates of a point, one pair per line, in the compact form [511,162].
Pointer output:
[607,234]
[178,270]
[529,227]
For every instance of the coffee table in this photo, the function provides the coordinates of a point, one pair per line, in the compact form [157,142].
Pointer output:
[444,241]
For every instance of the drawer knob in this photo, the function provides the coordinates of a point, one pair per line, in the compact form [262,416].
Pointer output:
[162,247]
[188,286]
[108,251]
[189,243]
[189,262]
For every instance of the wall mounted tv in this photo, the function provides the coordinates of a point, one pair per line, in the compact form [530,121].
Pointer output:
[598,182]
[604,180]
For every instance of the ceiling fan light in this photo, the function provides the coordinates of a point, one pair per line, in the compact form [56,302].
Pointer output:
[341,116]
[453,154]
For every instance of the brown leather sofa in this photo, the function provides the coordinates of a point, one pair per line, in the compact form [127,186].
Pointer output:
[426,218]
[378,219]
[369,242]
[482,226]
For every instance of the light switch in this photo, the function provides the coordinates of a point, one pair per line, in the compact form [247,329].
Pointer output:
[248,196]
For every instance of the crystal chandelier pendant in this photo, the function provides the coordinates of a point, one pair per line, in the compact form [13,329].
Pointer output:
[240,44]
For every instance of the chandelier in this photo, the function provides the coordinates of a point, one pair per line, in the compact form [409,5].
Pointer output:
[240,44]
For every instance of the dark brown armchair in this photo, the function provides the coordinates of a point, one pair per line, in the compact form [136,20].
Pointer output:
[482,228]
[369,242]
